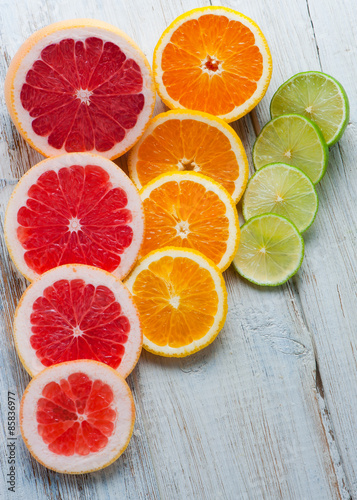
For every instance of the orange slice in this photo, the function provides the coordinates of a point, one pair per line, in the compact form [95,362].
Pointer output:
[76,208]
[190,140]
[181,298]
[213,59]
[187,209]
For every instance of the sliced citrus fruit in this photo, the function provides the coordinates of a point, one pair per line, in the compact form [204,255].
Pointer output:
[77,417]
[77,312]
[317,96]
[187,209]
[213,59]
[182,300]
[283,190]
[271,250]
[80,85]
[295,140]
[77,208]
[190,140]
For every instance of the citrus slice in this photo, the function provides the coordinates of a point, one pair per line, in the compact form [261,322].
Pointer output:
[283,190]
[80,85]
[212,59]
[295,140]
[77,208]
[77,417]
[182,300]
[271,250]
[187,209]
[190,140]
[317,96]
[77,312]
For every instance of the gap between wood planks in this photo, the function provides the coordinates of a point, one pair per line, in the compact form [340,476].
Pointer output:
[322,404]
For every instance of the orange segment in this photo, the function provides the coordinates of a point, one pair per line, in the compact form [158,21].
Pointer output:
[193,133]
[190,140]
[213,59]
[212,28]
[189,39]
[186,209]
[169,143]
[181,300]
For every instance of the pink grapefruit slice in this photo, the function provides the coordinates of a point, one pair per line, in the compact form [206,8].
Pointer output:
[77,417]
[80,85]
[77,208]
[77,312]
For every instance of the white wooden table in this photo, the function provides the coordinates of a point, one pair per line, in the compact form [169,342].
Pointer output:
[269,410]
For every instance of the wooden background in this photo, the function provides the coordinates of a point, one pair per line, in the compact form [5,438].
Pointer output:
[269,411]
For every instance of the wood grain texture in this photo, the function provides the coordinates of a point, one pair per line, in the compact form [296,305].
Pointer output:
[330,283]
[240,419]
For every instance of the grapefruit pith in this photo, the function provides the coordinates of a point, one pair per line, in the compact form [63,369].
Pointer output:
[77,208]
[77,312]
[80,85]
[77,417]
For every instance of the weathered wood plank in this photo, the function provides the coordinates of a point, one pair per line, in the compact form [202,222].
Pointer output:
[243,412]
[316,36]
[329,291]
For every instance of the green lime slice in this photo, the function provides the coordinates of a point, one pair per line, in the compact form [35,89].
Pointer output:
[317,96]
[283,190]
[270,251]
[295,140]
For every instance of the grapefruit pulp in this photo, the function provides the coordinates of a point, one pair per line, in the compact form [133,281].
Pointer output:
[77,208]
[77,417]
[80,85]
[77,312]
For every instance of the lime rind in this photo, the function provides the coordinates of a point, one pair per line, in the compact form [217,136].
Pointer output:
[344,98]
[289,274]
[259,172]
[280,158]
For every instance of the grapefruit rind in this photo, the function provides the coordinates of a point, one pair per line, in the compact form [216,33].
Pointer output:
[260,41]
[212,121]
[117,177]
[30,51]
[123,403]
[90,275]
[220,287]
[289,274]
[220,191]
